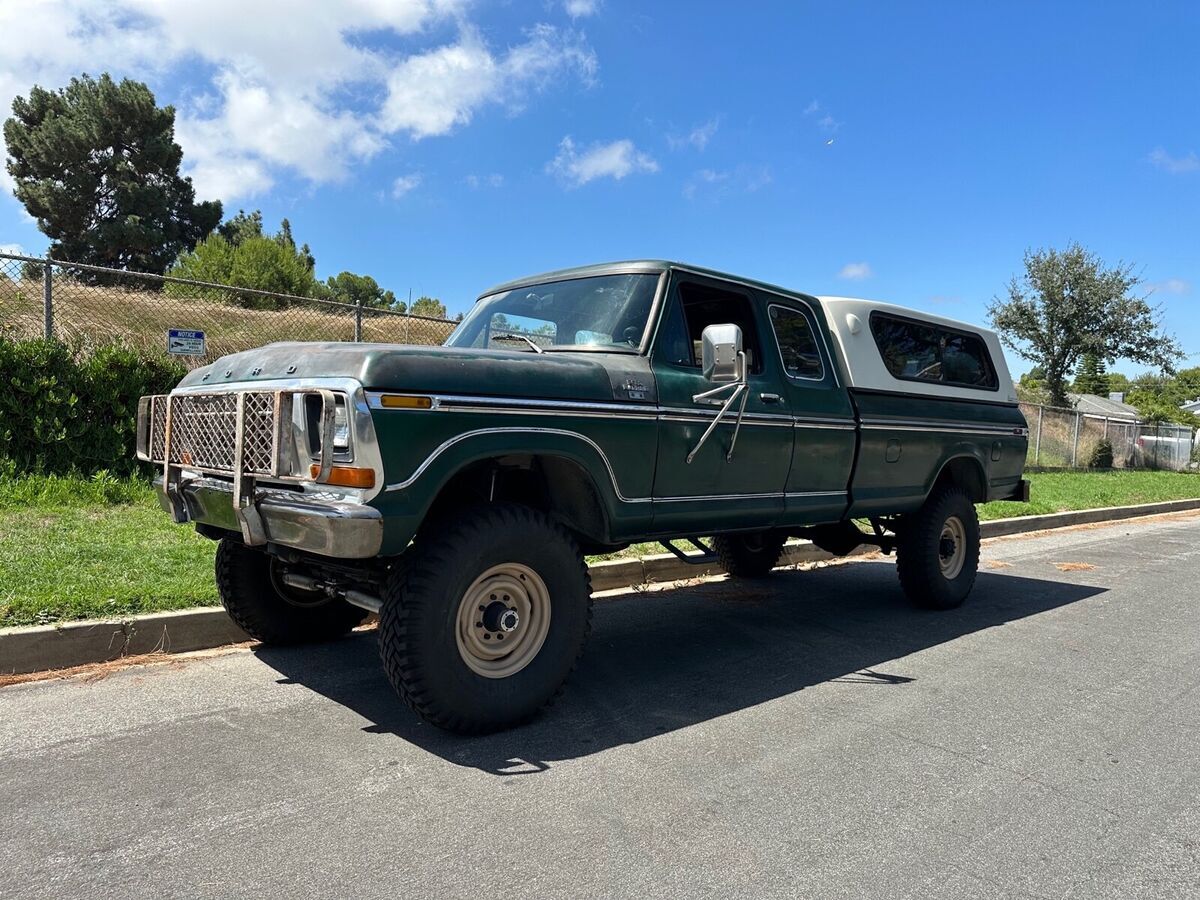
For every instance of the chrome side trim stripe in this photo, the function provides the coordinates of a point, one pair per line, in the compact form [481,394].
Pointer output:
[944,427]
[790,495]
[458,438]
[586,408]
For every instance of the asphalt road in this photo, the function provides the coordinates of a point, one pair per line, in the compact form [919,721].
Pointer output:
[807,736]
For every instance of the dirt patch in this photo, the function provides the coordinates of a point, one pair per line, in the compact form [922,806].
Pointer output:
[94,672]
[1074,566]
[996,564]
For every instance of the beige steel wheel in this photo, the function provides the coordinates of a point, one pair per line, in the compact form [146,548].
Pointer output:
[466,633]
[503,620]
[952,547]
[937,549]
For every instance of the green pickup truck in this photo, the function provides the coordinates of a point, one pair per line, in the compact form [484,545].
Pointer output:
[454,490]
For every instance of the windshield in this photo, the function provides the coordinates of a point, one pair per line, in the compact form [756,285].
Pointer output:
[604,312]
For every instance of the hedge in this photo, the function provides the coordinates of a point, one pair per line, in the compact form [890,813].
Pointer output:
[66,411]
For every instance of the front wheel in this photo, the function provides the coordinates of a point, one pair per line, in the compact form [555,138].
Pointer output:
[488,621]
[253,593]
[937,550]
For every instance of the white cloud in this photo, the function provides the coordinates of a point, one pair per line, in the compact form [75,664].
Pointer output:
[1175,165]
[613,160]
[14,249]
[1176,286]
[311,98]
[698,137]
[826,122]
[494,180]
[405,183]
[578,9]
[431,93]
[711,184]
[855,271]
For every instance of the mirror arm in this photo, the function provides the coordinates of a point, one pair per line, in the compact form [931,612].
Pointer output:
[737,427]
[740,388]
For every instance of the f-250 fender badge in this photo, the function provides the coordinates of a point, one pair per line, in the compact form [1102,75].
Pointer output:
[635,390]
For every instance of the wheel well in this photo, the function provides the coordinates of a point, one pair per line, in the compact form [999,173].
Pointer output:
[964,472]
[553,484]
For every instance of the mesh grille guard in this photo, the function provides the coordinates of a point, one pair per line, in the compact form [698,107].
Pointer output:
[243,434]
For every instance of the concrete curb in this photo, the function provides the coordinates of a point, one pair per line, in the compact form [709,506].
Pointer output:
[43,647]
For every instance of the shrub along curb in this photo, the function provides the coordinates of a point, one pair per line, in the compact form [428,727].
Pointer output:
[43,647]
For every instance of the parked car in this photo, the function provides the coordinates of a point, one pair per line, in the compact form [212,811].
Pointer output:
[1163,447]
[455,490]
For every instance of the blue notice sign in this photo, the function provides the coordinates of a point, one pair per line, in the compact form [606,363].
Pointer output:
[184,342]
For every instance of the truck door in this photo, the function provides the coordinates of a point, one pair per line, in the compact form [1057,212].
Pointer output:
[716,489]
[823,418]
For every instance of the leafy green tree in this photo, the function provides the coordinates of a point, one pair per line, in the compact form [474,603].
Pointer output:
[1091,377]
[1068,304]
[428,306]
[1117,382]
[242,227]
[350,288]
[250,260]
[96,164]
[268,265]
[1158,397]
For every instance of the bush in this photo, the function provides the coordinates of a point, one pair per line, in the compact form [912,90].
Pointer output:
[63,411]
[1102,455]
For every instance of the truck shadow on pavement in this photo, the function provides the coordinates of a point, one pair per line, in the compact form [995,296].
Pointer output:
[665,660]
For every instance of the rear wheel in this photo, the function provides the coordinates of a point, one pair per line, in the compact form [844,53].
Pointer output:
[483,629]
[256,598]
[749,555]
[937,550]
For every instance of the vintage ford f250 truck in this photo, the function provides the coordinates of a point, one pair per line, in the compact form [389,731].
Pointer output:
[455,490]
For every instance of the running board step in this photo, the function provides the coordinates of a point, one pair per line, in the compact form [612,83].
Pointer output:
[707,554]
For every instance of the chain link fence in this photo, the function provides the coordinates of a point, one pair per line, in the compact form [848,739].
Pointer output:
[88,305]
[1067,438]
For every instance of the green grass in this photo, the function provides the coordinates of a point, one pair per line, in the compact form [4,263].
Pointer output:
[1062,491]
[75,548]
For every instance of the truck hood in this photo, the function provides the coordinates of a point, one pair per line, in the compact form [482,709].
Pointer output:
[442,370]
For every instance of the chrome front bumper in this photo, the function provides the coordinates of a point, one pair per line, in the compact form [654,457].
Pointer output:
[335,528]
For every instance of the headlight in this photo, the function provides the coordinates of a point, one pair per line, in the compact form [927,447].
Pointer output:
[341,426]
[314,409]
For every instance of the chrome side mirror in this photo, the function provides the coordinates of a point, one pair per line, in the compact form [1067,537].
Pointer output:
[720,353]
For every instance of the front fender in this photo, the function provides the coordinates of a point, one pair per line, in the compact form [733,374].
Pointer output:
[414,480]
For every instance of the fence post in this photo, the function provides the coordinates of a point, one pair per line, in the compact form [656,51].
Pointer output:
[1037,442]
[358,320]
[1075,442]
[48,300]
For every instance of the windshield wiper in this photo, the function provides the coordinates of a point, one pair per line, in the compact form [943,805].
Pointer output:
[518,337]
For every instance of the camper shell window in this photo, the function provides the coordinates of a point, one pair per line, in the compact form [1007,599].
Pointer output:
[914,350]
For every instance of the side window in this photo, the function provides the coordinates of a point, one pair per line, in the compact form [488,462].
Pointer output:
[797,345]
[922,351]
[696,307]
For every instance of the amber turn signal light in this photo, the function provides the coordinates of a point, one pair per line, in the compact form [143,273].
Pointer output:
[401,401]
[346,476]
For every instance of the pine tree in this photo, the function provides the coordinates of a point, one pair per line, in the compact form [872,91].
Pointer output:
[1091,378]
[96,164]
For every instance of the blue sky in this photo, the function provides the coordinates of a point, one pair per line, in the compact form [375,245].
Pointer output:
[909,152]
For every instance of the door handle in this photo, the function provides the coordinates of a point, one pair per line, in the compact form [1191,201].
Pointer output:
[769,398]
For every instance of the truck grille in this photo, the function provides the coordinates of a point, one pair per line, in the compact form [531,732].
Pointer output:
[204,430]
